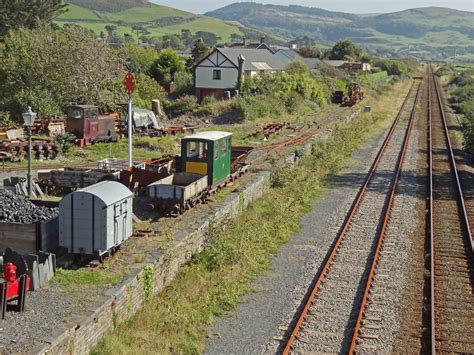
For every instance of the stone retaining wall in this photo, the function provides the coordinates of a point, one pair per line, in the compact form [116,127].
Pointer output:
[84,331]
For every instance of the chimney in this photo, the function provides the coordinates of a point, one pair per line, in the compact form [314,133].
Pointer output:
[244,41]
[240,78]
[262,39]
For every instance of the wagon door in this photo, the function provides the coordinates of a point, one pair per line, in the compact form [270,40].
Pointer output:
[221,167]
[120,222]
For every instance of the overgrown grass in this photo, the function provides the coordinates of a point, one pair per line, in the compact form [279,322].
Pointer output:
[177,320]
[84,277]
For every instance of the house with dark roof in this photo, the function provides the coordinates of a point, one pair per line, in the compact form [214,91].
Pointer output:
[251,45]
[288,56]
[224,68]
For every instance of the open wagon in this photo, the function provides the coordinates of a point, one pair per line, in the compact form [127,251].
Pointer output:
[177,193]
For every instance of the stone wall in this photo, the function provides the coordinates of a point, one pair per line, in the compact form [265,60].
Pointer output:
[84,331]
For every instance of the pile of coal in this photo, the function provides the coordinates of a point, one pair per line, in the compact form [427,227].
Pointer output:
[14,209]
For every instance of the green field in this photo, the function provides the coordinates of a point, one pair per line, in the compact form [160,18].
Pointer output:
[148,15]
[77,12]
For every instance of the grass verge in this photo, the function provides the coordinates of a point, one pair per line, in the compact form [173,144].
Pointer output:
[177,320]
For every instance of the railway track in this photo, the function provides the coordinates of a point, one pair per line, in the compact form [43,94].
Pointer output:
[331,317]
[260,154]
[451,241]
[47,166]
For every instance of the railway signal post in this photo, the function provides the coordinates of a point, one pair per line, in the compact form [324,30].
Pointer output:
[129,84]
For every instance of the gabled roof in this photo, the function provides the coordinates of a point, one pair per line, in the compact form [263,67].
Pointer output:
[258,45]
[255,59]
[334,63]
[290,55]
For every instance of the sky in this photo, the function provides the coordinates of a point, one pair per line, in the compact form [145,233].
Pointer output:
[361,6]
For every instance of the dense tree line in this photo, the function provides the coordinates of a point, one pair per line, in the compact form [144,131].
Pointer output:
[16,14]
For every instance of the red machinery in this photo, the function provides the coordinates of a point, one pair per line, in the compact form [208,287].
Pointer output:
[88,126]
[13,288]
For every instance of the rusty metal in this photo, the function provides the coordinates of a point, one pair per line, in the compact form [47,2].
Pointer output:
[432,263]
[435,306]
[387,216]
[335,248]
[453,164]
[270,129]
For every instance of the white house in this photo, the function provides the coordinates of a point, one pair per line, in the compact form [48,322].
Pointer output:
[219,71]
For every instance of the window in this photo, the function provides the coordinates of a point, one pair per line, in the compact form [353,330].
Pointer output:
[197,150]
[216,75]
[223,147]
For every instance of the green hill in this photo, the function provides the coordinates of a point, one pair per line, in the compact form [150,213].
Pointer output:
[433,32]
[158,20]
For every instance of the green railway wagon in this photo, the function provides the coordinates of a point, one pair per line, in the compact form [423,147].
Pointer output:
[207,153]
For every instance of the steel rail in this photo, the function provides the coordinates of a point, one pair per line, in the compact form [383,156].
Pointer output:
[51,166]
[383,230]
[432,263]
[353,210]
[460,194]
[453,165]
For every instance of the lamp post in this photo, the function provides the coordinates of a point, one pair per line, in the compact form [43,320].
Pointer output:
[29,118]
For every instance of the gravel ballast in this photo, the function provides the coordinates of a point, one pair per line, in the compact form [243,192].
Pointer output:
[259,323]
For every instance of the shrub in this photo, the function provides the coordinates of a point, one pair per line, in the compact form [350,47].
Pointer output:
[6,120]
[256,106]
[184,83]
[147,89]
[183,105]
[65,141]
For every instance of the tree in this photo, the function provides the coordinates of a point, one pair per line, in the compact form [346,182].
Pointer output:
[172,41]
[209,38]
[50,69]
[128,38]
[112,34]
[140,30]
[15,14]
[199,51]
[167,64]
[297,67]
[186,37]
[345,49]
[147,90]
[139,59]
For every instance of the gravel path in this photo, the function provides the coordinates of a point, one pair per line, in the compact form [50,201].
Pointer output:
[266,314]
[19,332]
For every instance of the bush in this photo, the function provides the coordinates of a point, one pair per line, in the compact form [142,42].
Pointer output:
[147,89]
[256,106]
[293,102]
[65,141]
[184,83]
[6,120]
[183,105]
